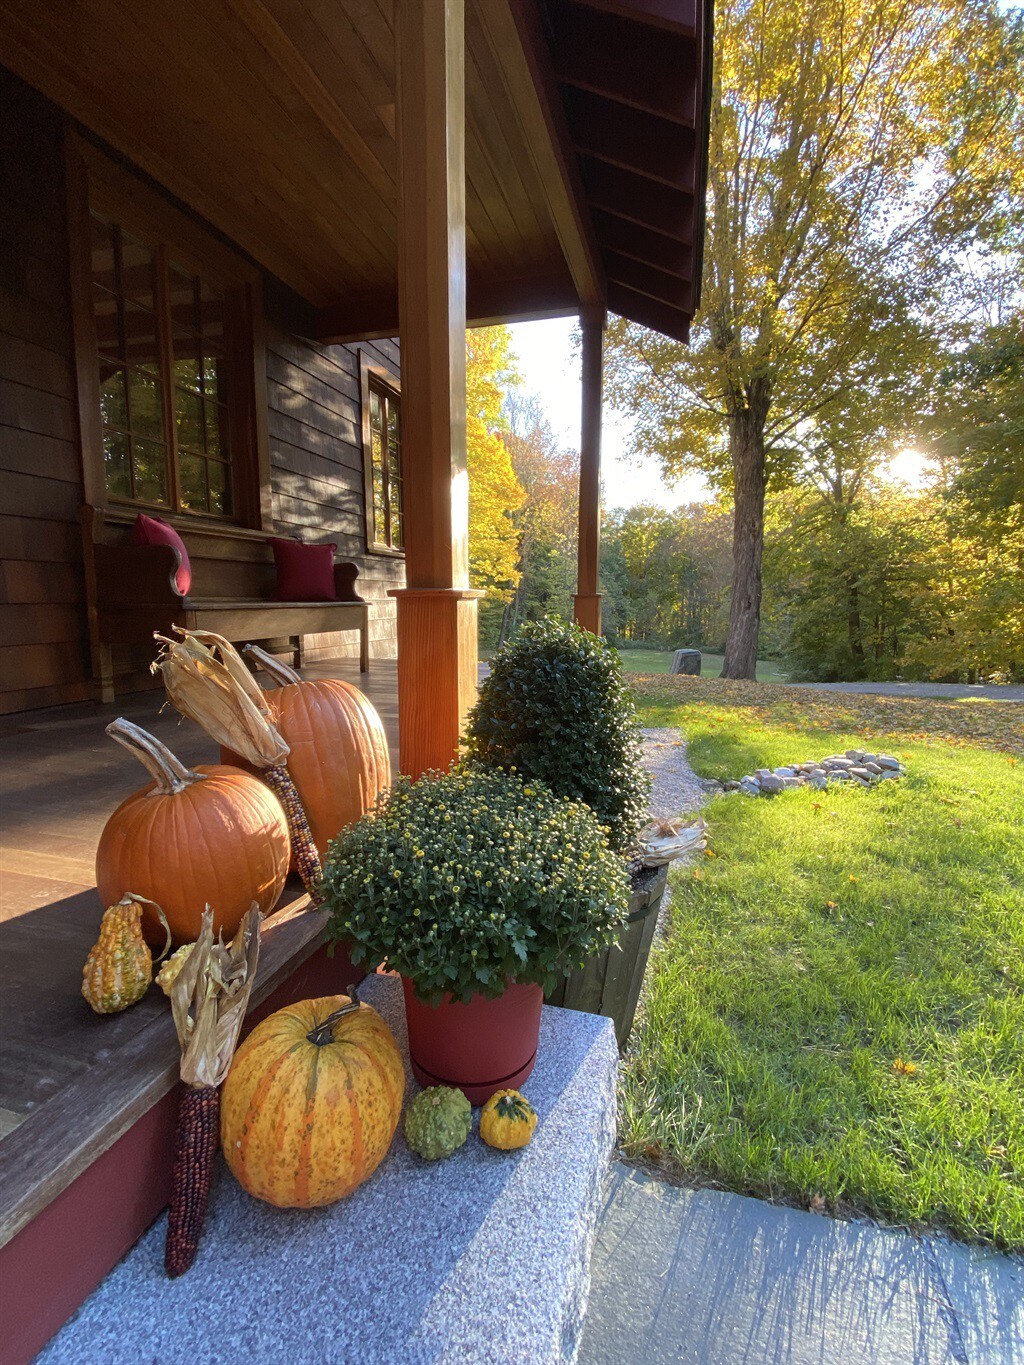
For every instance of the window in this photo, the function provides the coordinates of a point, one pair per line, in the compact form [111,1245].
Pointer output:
[382,426]
[163,376]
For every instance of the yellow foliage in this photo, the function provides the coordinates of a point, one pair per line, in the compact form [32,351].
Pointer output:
[495,494]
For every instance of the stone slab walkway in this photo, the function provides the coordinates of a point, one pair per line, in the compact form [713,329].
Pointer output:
[713,1278]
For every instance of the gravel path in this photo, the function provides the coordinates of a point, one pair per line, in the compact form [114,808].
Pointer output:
[677,789]
[938,691]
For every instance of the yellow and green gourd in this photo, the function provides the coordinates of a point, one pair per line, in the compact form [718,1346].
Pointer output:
[507,1120]
[119,967]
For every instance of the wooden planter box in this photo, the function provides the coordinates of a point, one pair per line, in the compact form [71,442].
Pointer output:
[610,982]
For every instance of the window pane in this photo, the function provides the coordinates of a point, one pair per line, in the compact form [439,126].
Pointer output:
[146,405]
[216,429]
[112,401]
[220,488]
[141,346]
[149,463]
[108,327]
[188,413]
[102,253]
[211,319]
[186,366]
[136,270]
[379,528]
[182,290]
[192,480]
[116,464]
[212,368]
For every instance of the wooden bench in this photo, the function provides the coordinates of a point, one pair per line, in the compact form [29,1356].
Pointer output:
[131,592]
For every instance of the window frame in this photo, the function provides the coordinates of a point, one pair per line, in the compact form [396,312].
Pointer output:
[373,375]
[97,184]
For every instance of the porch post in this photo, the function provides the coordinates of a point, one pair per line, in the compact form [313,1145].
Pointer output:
[587,602]
[437,644]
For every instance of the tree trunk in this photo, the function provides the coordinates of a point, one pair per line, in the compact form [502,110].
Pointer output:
[853,623]
[746,447]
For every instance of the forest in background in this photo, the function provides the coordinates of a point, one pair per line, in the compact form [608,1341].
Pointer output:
[863,295]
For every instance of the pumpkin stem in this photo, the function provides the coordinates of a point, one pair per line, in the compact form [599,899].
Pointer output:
[324,1033]
[281,673]
[168,772]
[130,896]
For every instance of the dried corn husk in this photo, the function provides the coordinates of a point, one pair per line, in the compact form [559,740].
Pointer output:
[663,841]
[207,681]
[209,997]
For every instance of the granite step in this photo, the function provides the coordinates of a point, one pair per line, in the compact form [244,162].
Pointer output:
[482,1257]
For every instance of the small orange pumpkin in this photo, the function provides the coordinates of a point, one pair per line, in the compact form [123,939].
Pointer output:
[214,836]
[312,1102]
[339,758]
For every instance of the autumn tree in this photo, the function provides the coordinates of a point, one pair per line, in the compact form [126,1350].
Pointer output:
[495,493]
[854,144]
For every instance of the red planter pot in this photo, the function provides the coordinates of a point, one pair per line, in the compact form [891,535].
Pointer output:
[479,1048]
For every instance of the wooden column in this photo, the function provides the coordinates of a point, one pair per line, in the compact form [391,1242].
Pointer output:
[587,602]
[437,642]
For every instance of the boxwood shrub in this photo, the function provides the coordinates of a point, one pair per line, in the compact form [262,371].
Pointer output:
[468,879]
[555,708]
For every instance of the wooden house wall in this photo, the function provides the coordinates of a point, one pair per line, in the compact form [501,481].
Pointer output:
[44,652]
[314,424]
[316,466]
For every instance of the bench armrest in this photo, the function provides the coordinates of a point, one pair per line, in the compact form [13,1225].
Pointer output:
[127,575]
[345,575]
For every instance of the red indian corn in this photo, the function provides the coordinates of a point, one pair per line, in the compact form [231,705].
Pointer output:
[307,859]
[195,1145]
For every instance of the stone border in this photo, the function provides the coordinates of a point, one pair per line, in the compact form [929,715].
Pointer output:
[857,766]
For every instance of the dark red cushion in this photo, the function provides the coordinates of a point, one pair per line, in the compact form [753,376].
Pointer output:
[305,573]
[153,531]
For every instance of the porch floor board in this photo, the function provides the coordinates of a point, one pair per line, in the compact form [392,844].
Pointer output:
[71,1082]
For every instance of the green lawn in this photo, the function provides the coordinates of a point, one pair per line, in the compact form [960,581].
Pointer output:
[836,1017]
[658,661]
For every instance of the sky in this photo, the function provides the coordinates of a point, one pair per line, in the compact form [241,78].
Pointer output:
[550,369]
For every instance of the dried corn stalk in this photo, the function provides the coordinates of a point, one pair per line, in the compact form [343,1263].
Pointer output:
[208,681]
[663,841]
[209,998]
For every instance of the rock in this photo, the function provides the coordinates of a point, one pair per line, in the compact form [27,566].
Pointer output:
[819,781]
[872,766]
[762,773]
[888,772]
[785,772]
[859,772]
[869,758]
[856,754]
[887,761]
[686,661]
[843,764]
[731,786]
[750,786]
[839,775]
[790,782]
[772,784]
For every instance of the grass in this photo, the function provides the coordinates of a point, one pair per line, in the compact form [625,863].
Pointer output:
[659,661]
[836,1015]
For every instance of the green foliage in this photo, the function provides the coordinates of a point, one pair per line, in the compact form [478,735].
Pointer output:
[438,1122]
[470,879]
[835,935]
[665,575]
[555,708]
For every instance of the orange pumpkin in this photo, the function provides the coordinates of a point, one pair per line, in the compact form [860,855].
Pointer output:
[312,1102]
[214,836]
[339,758]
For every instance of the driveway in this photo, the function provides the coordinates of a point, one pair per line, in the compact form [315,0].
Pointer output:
[946,691]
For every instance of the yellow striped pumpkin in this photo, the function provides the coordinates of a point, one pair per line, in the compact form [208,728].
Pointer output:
[312,1102]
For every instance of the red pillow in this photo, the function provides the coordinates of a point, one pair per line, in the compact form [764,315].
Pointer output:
[153,531]
[305,573]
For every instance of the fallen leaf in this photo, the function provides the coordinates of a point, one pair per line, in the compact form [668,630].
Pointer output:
[831,905]
[818,1204]
[903,1068]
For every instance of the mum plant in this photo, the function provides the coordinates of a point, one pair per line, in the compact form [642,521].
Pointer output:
[468,880]
[555,708]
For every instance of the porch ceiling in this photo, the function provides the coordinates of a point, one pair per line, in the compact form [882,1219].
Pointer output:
[275,120]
